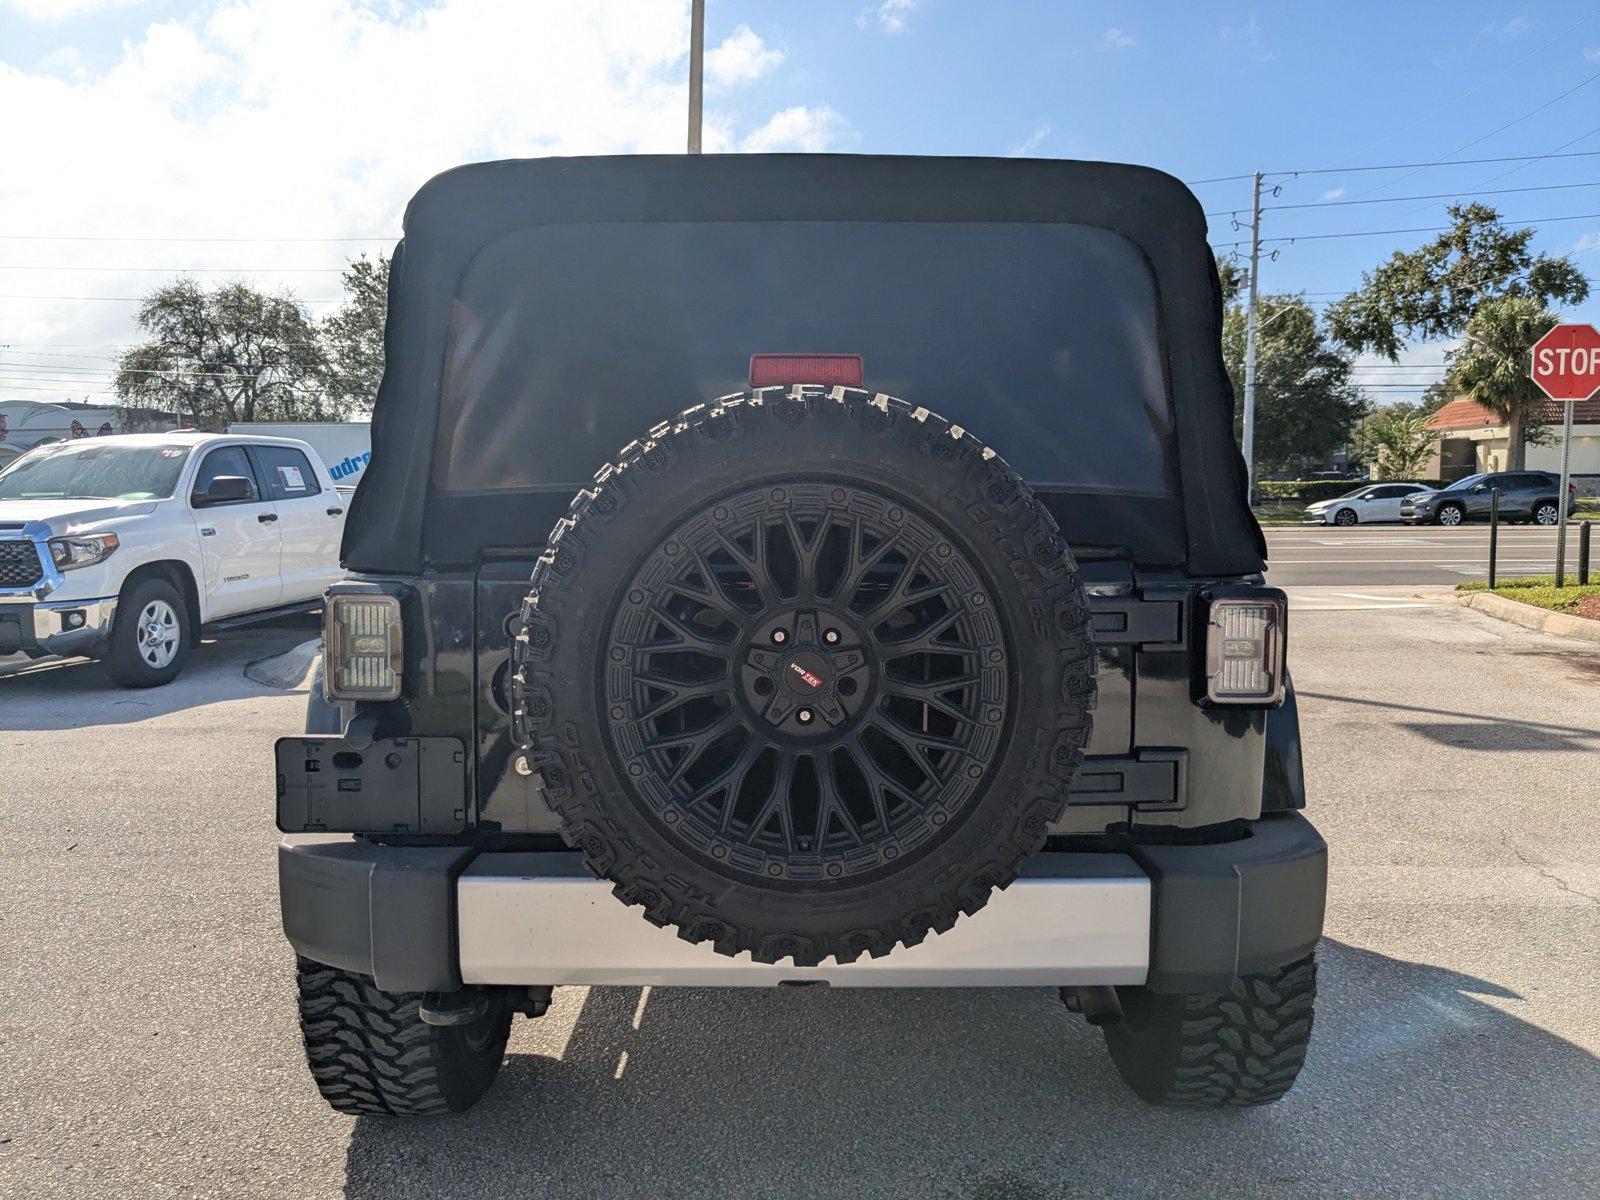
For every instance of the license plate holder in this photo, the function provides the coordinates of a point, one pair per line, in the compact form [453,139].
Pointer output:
[395,785]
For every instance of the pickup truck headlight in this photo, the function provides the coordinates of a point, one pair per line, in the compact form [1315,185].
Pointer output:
[70,553]
[363,640]
[1245,642]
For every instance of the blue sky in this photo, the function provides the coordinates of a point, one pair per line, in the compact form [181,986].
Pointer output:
[316,118]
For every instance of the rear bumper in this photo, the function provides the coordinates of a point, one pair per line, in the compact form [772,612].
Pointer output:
[1175,918]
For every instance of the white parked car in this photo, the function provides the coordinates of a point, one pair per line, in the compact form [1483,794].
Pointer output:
[124,547]
[1369,502]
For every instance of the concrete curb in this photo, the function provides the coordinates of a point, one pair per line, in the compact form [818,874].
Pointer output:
[287,671]
[1532,617]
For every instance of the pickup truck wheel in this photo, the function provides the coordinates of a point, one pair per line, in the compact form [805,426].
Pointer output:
[805,674]
[1236,1050]
[149,636]
[372,1054]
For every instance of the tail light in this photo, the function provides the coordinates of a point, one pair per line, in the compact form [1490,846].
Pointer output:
[363,647]
[1246,635]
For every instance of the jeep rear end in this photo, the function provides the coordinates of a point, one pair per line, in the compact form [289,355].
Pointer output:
[828,687]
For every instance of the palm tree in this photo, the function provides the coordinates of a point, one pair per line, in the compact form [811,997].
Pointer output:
[1492,365]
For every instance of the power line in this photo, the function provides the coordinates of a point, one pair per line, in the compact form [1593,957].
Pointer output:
[1477,141]
[1478,87]
[1317,237]
[1440,162]
[1549,187]
[186,270]
[134,299]
[1218,179]
[72,237]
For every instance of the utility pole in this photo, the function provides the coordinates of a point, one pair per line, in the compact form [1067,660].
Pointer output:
[697,56]
[1250,347]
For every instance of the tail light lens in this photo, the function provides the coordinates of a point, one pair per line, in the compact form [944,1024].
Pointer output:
[1245,640]
[363,645]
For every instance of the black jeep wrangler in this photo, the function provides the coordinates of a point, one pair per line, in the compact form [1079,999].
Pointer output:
[842,561]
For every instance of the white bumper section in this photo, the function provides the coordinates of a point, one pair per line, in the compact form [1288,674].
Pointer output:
[1070,919]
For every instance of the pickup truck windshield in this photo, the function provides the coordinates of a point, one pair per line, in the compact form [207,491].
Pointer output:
[79,471]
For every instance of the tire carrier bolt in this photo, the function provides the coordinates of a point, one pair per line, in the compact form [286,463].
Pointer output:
[831,637]
[779,637]
[803,716]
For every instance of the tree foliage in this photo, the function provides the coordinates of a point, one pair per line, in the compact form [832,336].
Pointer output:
[1399,440]
[353,334]
[1492,365]
[1233,277]
[1433,291]
[232,353]
[1306,404]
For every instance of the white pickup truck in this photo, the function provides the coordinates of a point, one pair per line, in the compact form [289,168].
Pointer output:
[125,547]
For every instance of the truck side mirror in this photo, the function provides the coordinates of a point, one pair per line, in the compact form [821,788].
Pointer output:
[225,489]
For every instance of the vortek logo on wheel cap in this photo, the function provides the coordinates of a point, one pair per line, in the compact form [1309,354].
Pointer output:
[810,679]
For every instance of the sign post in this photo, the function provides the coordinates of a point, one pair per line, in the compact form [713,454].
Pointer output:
[1565,365]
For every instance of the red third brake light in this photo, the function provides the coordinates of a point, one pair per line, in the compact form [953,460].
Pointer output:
[777,370]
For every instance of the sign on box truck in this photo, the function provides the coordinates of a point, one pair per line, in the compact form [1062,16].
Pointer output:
[346,446]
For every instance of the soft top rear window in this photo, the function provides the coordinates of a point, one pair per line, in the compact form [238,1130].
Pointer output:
[568,341]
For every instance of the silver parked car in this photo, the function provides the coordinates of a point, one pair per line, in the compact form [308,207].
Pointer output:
[1368,503]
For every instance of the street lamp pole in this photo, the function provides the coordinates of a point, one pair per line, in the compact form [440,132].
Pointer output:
[697,56]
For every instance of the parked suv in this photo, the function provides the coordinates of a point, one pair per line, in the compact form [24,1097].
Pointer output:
[935,655]
[1524,496]
[125,547]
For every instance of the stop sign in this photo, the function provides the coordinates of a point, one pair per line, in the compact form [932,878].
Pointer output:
[1566,362]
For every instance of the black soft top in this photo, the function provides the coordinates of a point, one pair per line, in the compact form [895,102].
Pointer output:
[401,519]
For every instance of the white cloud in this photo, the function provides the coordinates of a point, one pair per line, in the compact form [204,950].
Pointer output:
[1333,193]
[1592,53]
[1589,241]
[1249,36]
[1029,144]
[1116,39]
[59,10]
[318,119]
[741,58]
[890,14]
[804,128]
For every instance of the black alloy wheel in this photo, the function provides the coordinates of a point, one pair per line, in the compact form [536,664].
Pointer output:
[814,678]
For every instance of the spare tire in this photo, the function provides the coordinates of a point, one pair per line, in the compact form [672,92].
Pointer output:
[805,673]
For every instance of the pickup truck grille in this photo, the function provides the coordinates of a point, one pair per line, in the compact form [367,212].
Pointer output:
[19,564]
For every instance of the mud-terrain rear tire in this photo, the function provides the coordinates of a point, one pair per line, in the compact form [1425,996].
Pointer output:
[372,1054]
[1237,1050]
[718,652]
[149,635]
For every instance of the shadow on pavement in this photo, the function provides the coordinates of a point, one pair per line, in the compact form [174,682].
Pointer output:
[1416,1083]
[1478,731]
[76,693]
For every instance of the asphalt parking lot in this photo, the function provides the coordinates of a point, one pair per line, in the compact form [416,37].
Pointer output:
[150,1046]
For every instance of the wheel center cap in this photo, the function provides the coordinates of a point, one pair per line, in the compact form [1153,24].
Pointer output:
[805,674]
